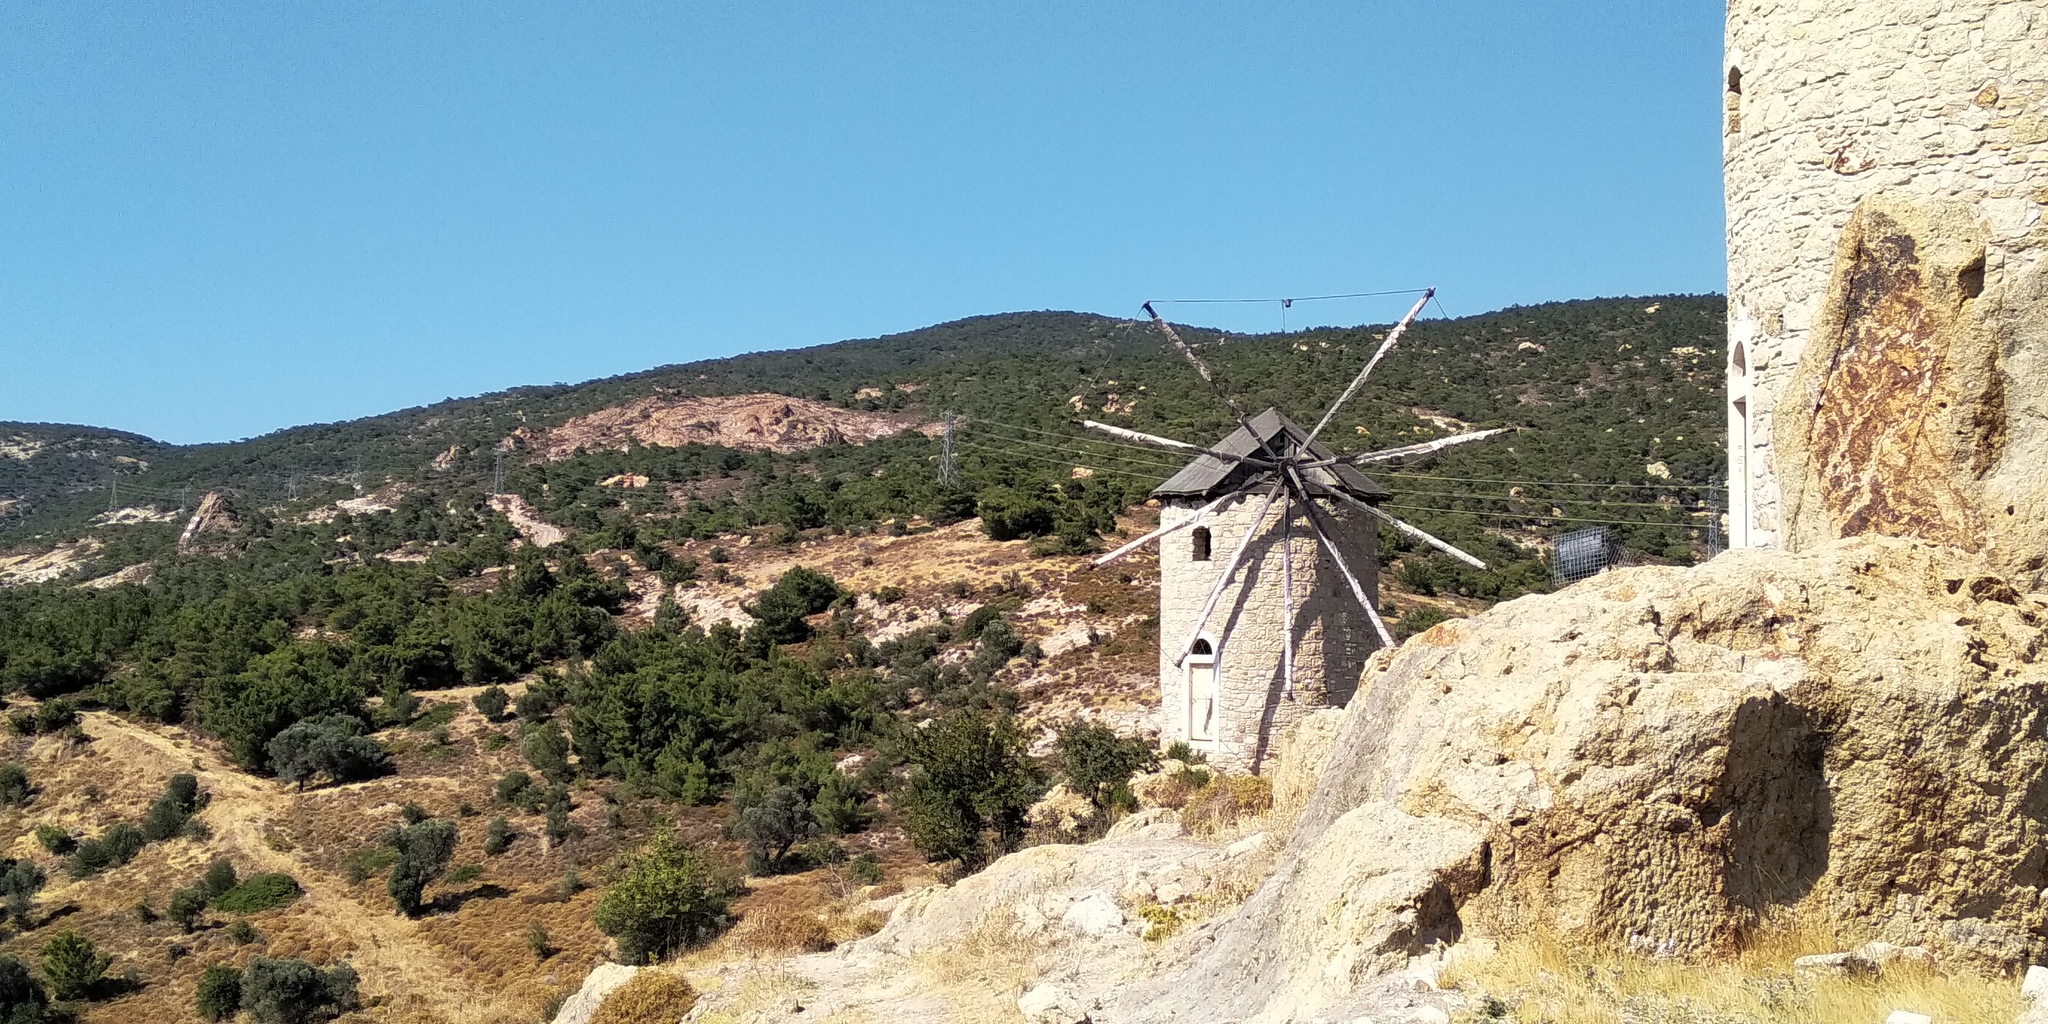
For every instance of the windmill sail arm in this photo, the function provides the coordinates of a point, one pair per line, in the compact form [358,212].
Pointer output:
[1223,581]
[1202,369]
[1427,447]
[1419,534]
[1337,558]
[1167,442]
[1386,346]
[1200,514]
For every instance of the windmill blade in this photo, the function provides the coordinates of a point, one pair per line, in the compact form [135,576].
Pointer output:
[1202,369]
[1387,517]
[1167,442]
[1287,598]
[1386,346]
[1364,600]
[1223,581]
[1200,513]
[1427,447]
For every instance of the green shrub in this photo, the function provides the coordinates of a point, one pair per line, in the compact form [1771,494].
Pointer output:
[491,702]
[1096,761]
[56,839]
[292,991]
[331,745]
[220,993]
[971,782]
[667,896]
[186,906]
[21,996]
[55,716]
[166,817]
[14,787]
[242,933]
[259,893]
[865,869]
[72,966]
[497,837]
[116,846]
[547,750]
[20,880]
[423,852]
[368,861]
[1419,618]
[798,593]
[464,874]
[219,878]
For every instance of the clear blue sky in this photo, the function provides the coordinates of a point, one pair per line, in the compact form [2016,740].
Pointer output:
[217,220]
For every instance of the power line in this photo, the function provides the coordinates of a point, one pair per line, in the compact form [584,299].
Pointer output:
[1063,462]
[1305,298]
[1547,483]
[1077,438]
[1089,454]
[1541,499]
[1550,519]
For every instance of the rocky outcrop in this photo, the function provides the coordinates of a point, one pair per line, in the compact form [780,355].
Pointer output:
[214,515]
[599,983]
[772,422]
[1654,759]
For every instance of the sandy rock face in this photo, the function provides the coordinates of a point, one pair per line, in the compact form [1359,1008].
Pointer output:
[776,423]
[1654,758]
[599,983]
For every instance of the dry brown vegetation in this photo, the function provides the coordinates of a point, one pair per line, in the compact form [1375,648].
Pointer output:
[652,997]
[1538,979]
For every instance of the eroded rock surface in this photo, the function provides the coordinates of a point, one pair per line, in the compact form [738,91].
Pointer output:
[1653,759]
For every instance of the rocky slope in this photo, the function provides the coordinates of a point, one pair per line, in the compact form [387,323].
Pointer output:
[776,423]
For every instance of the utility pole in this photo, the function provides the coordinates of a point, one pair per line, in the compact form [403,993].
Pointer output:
[356,478]
[949,472]
[498,473]
[113,490]
[184,498]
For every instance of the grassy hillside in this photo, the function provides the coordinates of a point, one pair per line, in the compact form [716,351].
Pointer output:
[1603,389]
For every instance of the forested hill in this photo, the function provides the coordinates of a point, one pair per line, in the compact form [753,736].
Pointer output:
[1609,391]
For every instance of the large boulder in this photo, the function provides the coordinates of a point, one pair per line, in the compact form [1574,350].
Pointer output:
[1656,759]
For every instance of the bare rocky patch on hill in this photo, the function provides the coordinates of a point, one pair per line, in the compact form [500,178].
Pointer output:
[769,422]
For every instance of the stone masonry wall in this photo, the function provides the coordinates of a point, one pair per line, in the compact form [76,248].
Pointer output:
[1332,634]
[1833,104]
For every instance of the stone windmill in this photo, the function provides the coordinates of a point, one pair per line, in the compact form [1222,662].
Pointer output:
[1284,624]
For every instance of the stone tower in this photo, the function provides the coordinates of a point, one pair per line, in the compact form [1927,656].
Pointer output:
[1227,699]
[1886,167]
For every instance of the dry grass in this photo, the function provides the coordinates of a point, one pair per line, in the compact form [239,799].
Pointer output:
[652,997]
[1539,979]
[1228,801]
[982,974]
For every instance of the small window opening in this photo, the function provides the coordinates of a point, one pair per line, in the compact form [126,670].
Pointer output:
[1740,362]
[1202,647]
[1970,280]
[1201,544]
[1732,102]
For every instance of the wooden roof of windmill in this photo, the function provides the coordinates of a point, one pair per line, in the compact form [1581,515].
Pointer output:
[1209,476]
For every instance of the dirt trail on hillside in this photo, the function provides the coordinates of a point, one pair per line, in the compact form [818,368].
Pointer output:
[386,949]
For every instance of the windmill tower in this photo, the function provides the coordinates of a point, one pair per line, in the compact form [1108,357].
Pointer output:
[1268,604]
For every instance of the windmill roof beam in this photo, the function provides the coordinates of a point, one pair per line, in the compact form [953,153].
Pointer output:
[1209,476]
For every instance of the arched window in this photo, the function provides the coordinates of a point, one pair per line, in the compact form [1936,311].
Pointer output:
[1202,697]
[1200,544]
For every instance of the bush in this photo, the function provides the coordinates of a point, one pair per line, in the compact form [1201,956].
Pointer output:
[220,993]
[1419,618]
[491,702]
[186,906]
[539,942]
[21,996]
[292,991]
[515,788]
[73,966]
[1097,762]
[259,893]
[242,933]
[865,869]
[55,839]
[330,745]
[423,853]
[14,787]
[464,874]
[770,823]
[166,817]
[667,896]
[652,997]
[219,878]
[497,837]
[547,750]
[796,595]
[1010,514]
[970,775]
[116,846]
[369,860]
[412,813]
[55,716]
[19,883]
[889,594]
